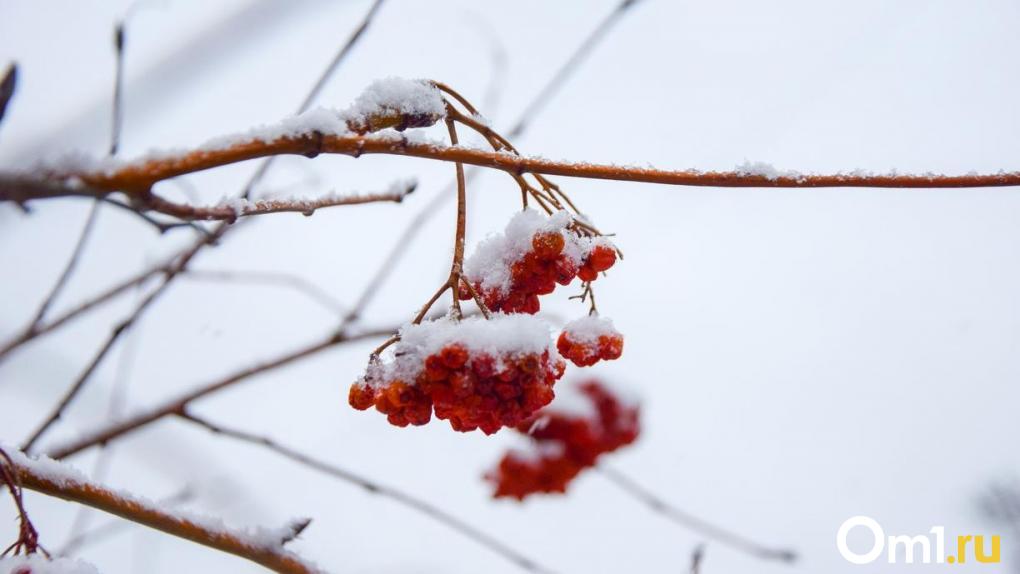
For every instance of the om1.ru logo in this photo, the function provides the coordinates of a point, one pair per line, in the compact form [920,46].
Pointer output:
[918,547]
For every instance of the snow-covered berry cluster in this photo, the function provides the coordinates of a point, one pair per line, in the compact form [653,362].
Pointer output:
[476,373]
[588,340]
[585,422]
[534,253]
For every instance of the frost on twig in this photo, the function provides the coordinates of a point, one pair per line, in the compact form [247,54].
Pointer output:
[261,545]
[241,207]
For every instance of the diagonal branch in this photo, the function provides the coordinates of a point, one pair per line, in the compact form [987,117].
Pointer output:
[430,510]
[72,263]
[696,524]
[175,406]
[50,478]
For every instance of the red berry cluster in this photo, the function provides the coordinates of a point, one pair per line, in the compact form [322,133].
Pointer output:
[568,444]
[585,349]
[539,270]
[477,391]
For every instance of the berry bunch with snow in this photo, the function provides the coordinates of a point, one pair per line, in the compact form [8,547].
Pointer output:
[477,373]
[533,254]
[494,371]
[588,340]
[585,422]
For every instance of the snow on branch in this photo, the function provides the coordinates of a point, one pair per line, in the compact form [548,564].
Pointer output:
[264,546]
[144,172]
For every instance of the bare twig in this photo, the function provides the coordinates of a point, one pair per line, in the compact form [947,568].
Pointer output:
[87,305]
[295,282]
[68,269]
[244,208]
[697,557]
[7,87]
[117,117]
[105,348]
[271,556]
[407,500]
[707,529]
[174,406]
[568,68]
[320,83]
[186,256]
[457,267]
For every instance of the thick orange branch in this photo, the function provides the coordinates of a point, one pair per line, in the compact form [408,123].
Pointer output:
[274,558]
[141,175]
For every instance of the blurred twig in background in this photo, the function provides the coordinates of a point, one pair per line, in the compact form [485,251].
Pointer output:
[707,529]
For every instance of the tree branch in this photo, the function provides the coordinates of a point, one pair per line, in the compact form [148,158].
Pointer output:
[422,506]
[48,478]
[142,175]
[719,534]
[175,406]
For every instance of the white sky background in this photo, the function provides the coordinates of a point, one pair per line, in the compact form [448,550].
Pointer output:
[804,356]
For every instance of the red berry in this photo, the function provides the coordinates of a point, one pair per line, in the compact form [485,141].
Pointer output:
[601,258]
[578,441]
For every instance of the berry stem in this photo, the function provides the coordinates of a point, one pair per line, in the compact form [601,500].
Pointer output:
[474,295]
[456,268]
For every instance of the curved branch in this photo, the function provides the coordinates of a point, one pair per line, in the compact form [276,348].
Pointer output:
[48,478]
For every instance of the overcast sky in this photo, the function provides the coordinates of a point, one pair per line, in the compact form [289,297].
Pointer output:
[803,356]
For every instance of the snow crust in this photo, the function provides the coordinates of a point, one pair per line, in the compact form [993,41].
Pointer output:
[766,170]
[393,94]
[267,538]
[502,335]
[589,328]
[491,262]
[242,206]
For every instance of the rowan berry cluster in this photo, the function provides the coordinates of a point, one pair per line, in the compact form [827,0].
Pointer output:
[510,271]
[590,339]
[476,373]
[568,440]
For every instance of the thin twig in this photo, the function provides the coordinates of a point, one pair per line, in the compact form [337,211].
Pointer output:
[118,89]
[434,512]
[83,307]
[457,267]
[295,282]
[7,87]
[697,557]
[68,269]
[317,88]
[174,406]
[707,529]
[566,71]
[97,359]
[246,208]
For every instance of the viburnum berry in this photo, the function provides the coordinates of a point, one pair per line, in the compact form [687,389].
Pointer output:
[569,436]
[534,253]
[588,340]
[476,373]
